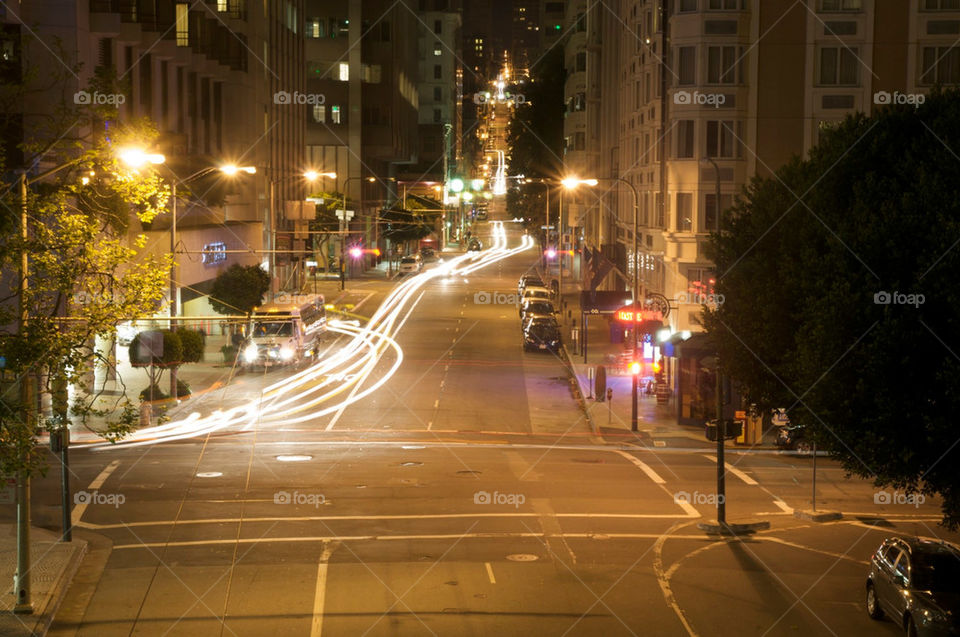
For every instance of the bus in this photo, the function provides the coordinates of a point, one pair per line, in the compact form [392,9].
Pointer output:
[285,331]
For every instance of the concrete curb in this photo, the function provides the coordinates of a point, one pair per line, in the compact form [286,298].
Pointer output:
[746,527]
[818,516]
[577,389]
[59,591]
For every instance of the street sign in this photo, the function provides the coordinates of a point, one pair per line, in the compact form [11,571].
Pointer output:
[349,214]
[629,313]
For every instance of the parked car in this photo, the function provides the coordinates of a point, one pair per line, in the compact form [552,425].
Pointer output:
[793,437]
[428,254]
[531,293]
[529,279]
[538,319]
[474,245]
[916,583]
[536,306]
[543,337]
[411,264]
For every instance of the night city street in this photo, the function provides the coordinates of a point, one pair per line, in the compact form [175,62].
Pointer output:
[506,317]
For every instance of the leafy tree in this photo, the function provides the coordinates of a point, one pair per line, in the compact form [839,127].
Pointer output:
[156,350]
[810,266]
[239,289]
[406,221]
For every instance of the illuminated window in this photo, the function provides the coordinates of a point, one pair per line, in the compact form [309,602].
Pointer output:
[222,6]
[319,113]
[437,50]
[335,114]
[344,72]
[183,24]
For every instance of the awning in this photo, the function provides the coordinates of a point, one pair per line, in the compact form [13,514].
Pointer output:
[697,345]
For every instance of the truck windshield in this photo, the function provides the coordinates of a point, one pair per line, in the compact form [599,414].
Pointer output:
[272,328]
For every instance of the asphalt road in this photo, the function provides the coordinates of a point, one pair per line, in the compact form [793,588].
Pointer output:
[465,496]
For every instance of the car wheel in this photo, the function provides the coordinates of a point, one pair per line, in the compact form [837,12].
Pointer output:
[804,446]
[911,627]
[873,604]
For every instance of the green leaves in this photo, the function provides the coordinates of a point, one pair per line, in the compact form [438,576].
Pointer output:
[239,289]
[840,297]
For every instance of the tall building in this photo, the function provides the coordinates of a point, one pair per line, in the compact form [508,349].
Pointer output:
[187,67]
[749,83]
[364,125]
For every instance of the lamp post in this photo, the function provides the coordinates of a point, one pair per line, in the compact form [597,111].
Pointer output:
[639,292]
[546,187]
[721,424]
[570,183]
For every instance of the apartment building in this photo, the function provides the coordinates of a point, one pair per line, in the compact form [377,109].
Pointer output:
[749,84]
[187,67]
[365,122]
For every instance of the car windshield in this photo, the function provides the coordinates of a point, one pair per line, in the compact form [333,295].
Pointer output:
[272,328]
[936,572]
[539,307]
[544,331]
[408,260]
[536,294]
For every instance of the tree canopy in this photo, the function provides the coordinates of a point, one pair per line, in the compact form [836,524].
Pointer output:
[839,299]
[239,289]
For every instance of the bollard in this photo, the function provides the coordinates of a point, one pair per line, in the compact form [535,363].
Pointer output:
[146,413]
[609,405]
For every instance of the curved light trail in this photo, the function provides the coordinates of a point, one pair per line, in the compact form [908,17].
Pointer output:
[341,378]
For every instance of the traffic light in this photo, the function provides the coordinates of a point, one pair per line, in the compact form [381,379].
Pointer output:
[732,429]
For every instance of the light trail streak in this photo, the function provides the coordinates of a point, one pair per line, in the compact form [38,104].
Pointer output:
[319,389]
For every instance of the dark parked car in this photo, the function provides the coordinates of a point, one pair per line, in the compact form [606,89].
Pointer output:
[540,336]
[474,245]
[793,437]
[538,319]
[916,583]
[429,255]
[536,306]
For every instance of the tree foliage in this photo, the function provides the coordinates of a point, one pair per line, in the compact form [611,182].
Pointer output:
[407,221]
[816,266]
[239,289]
[87,270]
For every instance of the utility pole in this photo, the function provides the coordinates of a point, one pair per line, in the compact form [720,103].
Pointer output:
[721,462]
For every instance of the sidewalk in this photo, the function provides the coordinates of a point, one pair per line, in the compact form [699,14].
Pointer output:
[613,419]
[53,565]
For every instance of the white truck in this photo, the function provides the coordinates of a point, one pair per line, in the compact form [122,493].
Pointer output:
[284,331]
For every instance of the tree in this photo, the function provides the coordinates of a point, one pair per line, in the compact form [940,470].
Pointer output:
[842,305]
[239,289]
[156,350]
[406,221]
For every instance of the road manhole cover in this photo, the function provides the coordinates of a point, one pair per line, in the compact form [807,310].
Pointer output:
[523,557]
[209,474]
[468,472]
[411,464]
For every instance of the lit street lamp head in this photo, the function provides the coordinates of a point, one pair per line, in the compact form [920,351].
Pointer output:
[231,169]
[137,157]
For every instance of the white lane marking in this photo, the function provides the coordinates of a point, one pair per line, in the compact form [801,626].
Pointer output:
[334,518]
[687,508]
[316,627]
[783,505]
[81,507]
[406,538]
[740,474]
[653,475]
[493,580]
[436,404]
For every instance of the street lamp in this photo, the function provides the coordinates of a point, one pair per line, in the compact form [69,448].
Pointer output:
[569,183]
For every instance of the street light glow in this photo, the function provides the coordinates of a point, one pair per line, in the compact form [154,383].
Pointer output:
[137,157]
[233,169]
[572,182]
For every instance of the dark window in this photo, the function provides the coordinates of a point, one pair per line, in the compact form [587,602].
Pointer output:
[710,210]
[839,66]
[685,139]
[437,71]
[840,28]
[437,94]
[687,5]
[438,26]
[581,63]
[385,31]
[941,65]
[686,65]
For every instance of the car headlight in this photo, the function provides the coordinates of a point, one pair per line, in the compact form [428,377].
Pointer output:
[286,353]
[934,616]
[250,352]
